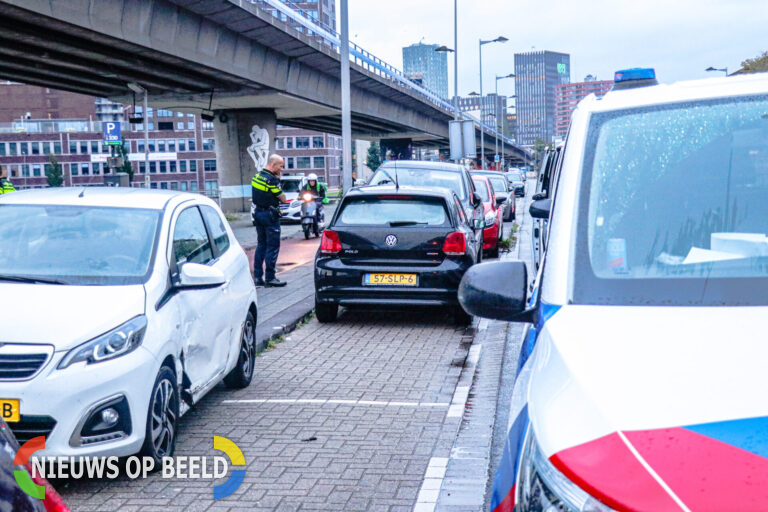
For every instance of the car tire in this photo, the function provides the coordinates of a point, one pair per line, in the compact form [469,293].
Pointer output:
[461,317]
[242,374]
[493,253]
[326,312]
[162,417]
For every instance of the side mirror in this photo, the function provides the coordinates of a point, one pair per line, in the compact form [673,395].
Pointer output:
[478,224]
[496,290]
[500,200]
[510,188]
[195,275]
[476,199]
[540,195]
[540,208]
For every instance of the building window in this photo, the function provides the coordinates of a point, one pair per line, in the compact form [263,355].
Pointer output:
[151,145]
[152,167]
[73,170]
[211,186]
[191,144]
[95,146]
[193,186]
[207,125]
[35,147]
[190,125]
[174,185]
[193,166]
[83,147]
[318,142]
[319,162]
[2,148]
[183,186]
[289,143]
[208,145]
[172,145]
[25,171]
[164,185]
[96,168]
[151,127]
[182,166]
[303,162]
[302,142]
[24,148]
[279,143]
[12,151]
[182,144]
[209,165]
[161,146]
[73,147]
[171,166]
[180,125]
[57,148]
[140,146]
[163,166]
[289,163]
[85,169]
[37,170]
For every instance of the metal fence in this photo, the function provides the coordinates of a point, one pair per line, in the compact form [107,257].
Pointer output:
[303,22]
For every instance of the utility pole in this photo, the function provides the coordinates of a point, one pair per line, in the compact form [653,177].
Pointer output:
[346,108]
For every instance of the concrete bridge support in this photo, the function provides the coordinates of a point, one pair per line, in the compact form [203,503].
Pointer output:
[244,140]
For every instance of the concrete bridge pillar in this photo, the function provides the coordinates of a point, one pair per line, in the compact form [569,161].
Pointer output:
[398,149]
[244,140]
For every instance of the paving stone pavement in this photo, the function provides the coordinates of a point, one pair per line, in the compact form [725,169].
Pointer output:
[343,416]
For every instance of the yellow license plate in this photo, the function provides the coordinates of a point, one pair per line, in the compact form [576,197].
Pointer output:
[391,279]
[9,409]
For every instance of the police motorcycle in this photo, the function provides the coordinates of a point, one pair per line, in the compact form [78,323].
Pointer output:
[312,220]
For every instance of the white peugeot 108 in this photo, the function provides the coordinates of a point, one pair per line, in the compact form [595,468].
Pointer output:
[643,377]
[121,308]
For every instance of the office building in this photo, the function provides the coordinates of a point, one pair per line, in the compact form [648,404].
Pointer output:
[21,101]
[537,74]
[324,11]
[567,96]
[485,108]
[307,152]
[422,59]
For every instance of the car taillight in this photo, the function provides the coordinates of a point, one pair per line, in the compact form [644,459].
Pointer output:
[330,244]
[455,244]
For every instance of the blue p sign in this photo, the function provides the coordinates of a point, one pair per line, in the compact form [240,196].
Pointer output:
[112,133]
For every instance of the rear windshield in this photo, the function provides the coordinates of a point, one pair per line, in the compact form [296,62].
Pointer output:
[482,189]
[420,178]
[400,212]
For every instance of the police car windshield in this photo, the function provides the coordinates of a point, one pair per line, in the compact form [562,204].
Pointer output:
[77,244]
[678,192]
[290,185]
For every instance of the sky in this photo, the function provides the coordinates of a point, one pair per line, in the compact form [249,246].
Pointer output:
[679,38]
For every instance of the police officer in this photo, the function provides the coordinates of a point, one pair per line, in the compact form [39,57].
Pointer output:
[5,185]
[267,196]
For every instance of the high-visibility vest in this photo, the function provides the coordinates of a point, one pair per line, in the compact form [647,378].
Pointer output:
[6,187]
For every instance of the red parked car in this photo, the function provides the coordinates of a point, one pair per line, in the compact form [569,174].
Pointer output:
[494,224]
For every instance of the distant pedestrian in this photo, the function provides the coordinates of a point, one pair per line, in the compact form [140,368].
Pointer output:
[5,185]
[267,196]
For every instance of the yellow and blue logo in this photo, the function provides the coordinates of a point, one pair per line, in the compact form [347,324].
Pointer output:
[237,476]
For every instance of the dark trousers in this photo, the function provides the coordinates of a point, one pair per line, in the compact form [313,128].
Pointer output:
[268,245]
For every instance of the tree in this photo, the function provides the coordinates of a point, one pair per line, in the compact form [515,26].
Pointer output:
[757,65]
[127,168]
[53,172]
[373,159]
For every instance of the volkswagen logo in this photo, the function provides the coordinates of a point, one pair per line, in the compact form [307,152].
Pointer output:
[391,240]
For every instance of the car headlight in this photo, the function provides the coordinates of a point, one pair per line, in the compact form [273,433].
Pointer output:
[543,488]
[490,218]
[117,342]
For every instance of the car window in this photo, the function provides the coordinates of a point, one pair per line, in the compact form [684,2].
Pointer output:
[462,215]
[401,212]
[420,178]
[290,185]
[190,240]
[482,190]
[217,229]
[499,185]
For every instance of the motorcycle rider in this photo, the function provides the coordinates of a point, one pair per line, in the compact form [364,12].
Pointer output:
[314,187]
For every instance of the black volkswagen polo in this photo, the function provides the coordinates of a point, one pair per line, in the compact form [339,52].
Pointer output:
[395,246]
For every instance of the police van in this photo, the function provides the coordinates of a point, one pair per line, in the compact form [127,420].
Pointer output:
[643,377]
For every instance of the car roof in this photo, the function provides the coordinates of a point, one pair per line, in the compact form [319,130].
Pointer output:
[690,90]
[117,197]
[375,190]
[420,164]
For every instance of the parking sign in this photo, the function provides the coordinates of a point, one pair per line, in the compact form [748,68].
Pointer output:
[112,134]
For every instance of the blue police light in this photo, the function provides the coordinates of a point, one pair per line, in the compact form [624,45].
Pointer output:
[635,77]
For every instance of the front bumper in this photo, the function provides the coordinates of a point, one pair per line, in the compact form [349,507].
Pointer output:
[68,395]
[340,283]
[288,214]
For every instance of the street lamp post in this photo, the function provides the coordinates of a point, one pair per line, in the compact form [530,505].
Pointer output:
[722,70]
[500,39]
[496,115]
[139,89]
[346,107]
[455,60]
[503,122]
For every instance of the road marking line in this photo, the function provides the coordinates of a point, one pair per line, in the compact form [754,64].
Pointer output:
[312,401]
[430,486]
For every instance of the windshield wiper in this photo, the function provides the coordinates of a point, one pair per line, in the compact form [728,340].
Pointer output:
[33,280]
[400,223]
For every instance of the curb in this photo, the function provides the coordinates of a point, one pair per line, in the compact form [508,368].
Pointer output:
[284,322]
